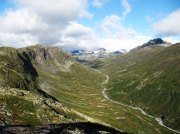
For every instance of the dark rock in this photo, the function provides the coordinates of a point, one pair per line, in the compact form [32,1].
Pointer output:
[117,52]
[77,52]
[162,117]
[156,41]
[68,128]
[102,49]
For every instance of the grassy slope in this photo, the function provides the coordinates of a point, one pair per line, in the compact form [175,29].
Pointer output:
[80,89]
[148,78]
[22,102]
[28,109]
[14,72]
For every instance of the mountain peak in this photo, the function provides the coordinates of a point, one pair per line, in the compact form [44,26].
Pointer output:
[101,49]
[156,41]
[77,52]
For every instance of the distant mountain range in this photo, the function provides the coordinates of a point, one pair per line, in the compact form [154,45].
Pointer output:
[96,54]
[93,58]
[103,53]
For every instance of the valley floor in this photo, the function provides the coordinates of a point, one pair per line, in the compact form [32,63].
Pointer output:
[90,103]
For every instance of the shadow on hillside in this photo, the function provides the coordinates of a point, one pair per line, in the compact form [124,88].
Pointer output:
[65,128]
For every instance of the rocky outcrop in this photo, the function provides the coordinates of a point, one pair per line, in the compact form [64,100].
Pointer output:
[157,41]
[48,58]
[37,53]
[68,128]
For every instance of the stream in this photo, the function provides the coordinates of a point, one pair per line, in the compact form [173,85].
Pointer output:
[136,108]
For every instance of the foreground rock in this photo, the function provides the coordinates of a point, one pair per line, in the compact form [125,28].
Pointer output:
[69,128]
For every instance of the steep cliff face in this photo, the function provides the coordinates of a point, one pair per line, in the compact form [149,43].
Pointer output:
[48,58]
[18,66]
[37,54]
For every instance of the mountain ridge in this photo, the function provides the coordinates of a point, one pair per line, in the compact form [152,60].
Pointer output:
[147,78]
[96,54]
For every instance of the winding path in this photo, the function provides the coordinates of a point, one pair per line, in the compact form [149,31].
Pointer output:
[136,108]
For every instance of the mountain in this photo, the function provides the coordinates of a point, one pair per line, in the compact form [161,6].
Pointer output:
[77,52]
[157,41]
[22,100]
[93,59]
[149,78]
[44,85]
[91,55]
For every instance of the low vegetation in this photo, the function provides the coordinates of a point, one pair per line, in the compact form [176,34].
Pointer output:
[148,78]
[47,86]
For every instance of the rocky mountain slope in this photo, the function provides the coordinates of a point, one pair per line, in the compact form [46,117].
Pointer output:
[23,102]
[148,77]
[44,85]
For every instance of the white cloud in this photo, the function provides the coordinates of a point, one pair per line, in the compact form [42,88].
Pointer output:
[99,3]
[21,21]
[55,23]
[57,10]
[75,29]
[115,36]
[126,6]
[41,20]
[76,36]
[17,40]
[172,39]
[113,44]
[109,34]
[110,23]
[169,26]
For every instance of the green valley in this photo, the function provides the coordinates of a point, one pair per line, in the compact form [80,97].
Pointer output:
[49,86]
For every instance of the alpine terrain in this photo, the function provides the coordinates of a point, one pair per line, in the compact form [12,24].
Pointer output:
[44,85]
[148,78]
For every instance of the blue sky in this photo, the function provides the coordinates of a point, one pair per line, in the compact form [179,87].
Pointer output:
[88,24]
[155,9]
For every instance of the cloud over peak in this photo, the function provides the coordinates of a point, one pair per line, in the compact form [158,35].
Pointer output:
[169,26]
